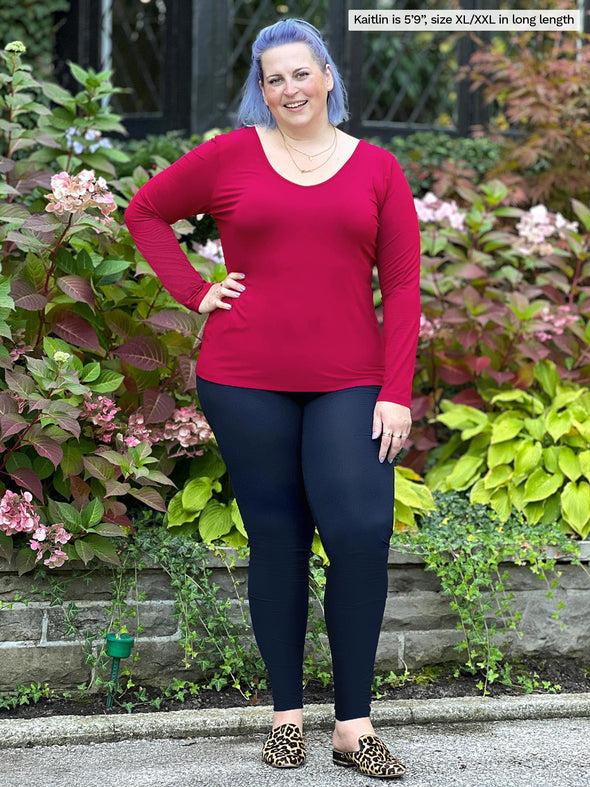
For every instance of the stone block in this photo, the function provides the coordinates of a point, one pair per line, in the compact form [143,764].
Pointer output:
[390,651]
[159,662]
[62,666]
[567,636]
[423,648]
[407,578]
[419,611]
[230,585]
[155,584]
[21,623]
[88,619]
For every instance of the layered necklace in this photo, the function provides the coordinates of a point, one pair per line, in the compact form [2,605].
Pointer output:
[331,147]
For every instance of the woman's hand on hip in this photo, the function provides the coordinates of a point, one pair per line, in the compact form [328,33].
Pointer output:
[228,288]
[392,422]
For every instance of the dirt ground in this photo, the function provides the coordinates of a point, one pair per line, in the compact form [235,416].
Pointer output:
[570,675]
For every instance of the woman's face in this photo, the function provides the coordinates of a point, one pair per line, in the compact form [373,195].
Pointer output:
[294,87]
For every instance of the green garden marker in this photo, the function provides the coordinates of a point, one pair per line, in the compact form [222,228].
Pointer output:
[119,647]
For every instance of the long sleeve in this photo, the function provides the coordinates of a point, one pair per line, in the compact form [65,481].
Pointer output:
[398,266]
[183,189]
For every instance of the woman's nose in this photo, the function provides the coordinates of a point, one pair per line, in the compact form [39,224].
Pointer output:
[290,88]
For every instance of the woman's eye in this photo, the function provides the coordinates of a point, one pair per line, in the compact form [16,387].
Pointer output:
[303,74]
[273,81]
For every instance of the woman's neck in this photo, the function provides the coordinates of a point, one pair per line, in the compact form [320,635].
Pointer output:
[309,133]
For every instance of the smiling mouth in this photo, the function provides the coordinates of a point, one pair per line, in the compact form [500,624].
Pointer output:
[295,104]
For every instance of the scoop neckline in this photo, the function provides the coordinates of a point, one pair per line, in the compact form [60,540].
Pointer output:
[292,182]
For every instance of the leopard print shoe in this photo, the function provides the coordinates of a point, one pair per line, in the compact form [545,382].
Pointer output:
[372,759]
[284,747]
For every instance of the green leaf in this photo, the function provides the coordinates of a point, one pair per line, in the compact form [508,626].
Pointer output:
[26,560]
[505,428]
[500,502]
[409,493]
[575,505]
[541,485]
[69,515]
[534,511]
[517,496]
[535,427]
[502,453]
[109,529]
[92,514]
[479,493]
[103,548]
[6,547]
[461,416]
[78,73]
[559,424]
[90,372]
[71,463]
[569,464]
[237,518]
[497,476]
[209,464]
[584,460]
[464,472]
[215,521]
[546,374]
[177,515]
[527,458]
[106,382]
[84,550]
[530,401]
[551,459]
[582,212]
[197,492]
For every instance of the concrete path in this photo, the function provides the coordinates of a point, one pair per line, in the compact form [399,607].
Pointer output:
[511,753]
[530,741]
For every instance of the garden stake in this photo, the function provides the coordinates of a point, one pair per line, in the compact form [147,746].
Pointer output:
[119,647]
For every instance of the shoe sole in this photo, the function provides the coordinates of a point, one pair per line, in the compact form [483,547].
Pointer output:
[348,764]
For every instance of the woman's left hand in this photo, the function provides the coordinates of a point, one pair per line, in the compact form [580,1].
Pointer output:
[393,423]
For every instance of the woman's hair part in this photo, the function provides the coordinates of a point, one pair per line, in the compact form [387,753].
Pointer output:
[253,111]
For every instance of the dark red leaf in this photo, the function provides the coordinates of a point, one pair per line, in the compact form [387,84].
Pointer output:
[26,297]
[77,288]
[454,375]
[28,478]
[143,352]
[157,407]
[470,397]
[74,329]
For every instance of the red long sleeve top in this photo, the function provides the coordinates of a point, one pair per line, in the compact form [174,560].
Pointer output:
[306,320]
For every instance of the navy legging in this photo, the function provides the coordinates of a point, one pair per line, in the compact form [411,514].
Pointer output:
[297,460]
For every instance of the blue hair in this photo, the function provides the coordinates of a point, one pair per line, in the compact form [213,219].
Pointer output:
[253,111]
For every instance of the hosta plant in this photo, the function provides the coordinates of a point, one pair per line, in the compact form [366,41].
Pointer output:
[206,506]
[527,450]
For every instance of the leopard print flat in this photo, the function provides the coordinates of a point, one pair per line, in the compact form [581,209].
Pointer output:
[372,759]
[284,747]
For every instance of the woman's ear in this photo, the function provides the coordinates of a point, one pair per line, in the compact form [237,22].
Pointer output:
[329,77]
[262,91]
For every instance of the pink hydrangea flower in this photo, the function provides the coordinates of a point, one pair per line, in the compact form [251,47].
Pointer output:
[432,209]
[537,225]
[17,514]
[78,193]
[101,413]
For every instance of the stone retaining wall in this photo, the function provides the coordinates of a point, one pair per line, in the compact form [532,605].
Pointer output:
[419,627]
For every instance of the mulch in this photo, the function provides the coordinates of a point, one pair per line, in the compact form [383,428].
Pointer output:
[571,675]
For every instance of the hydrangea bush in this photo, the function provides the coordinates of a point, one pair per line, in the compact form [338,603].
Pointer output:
[97,362]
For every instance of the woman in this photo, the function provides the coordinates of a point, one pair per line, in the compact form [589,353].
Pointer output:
[305,395]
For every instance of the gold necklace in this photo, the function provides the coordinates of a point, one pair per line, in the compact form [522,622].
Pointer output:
[305,171]
[311,156]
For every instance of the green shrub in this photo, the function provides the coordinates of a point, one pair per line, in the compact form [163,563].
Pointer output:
[527,451]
